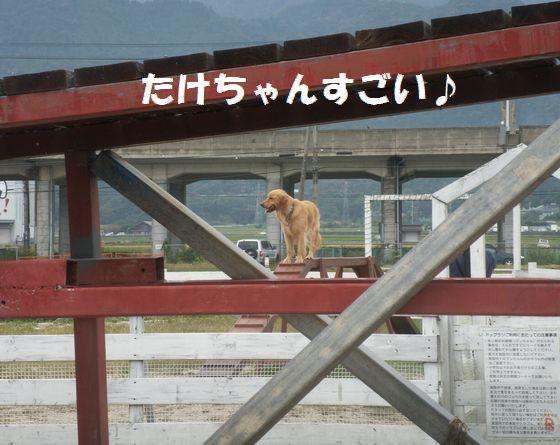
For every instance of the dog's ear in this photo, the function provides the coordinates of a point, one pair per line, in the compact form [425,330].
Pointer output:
[284,198]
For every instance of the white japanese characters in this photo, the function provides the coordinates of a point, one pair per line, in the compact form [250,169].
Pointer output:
[160,90]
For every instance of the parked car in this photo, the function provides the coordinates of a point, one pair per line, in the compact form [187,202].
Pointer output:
[543,243]
[501,256]
[258,249]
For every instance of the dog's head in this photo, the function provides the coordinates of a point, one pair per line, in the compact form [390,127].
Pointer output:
[276,199]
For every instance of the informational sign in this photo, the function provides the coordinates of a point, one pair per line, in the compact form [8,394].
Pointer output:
[522,376]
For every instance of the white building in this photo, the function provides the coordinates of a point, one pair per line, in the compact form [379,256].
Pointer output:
[12,211]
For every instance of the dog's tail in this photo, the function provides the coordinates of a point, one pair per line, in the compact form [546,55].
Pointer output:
[316,235]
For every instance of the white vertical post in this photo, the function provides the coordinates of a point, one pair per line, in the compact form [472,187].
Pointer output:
[516,239]
[478,258]
[136,370]
[439,213]
[367,226]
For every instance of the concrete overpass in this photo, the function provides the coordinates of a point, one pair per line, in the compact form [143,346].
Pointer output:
[391,156]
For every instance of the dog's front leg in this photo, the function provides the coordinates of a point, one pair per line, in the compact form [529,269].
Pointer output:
[288,239]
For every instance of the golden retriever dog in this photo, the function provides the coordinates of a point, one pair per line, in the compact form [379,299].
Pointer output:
[300,222]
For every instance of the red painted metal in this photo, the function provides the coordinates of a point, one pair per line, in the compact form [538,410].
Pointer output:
[431,56]
[505,84]
[91,381]
[32,273]
[83,206]
[114,271]
[318,296]
[89,331]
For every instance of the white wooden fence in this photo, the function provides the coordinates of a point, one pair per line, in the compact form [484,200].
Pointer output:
[193,389]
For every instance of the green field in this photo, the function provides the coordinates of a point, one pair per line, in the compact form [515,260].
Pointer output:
[335,242]
[330,236]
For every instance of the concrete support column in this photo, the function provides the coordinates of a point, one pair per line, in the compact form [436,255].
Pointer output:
[177,189]
[63,227]
[508,232]
[273,230]
[159,232]
[43,205]
[389,210]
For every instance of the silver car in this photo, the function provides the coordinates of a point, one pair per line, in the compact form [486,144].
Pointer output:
[258,249]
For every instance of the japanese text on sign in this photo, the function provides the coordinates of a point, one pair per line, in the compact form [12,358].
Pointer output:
[163,91]
[522,368]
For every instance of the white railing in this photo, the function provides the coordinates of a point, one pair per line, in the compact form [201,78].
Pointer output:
[198,386]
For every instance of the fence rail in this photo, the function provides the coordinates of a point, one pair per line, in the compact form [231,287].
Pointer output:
[204,373]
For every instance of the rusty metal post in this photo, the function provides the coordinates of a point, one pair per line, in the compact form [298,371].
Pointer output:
[89,333]
[191,229]
[392,291]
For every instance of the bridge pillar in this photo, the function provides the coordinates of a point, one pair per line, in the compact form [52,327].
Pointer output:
[63,225]
[177,189]
[159,232]
[273,230]
[390,210]
[44,204]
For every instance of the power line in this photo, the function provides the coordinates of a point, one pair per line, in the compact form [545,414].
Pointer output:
[128,44]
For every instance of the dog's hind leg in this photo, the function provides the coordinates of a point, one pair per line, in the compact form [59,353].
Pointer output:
[301,248]
[314,243]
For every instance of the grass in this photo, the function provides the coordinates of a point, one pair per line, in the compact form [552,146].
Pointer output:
[119,325]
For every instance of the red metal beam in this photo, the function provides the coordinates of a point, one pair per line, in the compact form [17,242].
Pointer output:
[32,273]
[89,332]
[432,56]
[251,116]
[318,296]
[114,271]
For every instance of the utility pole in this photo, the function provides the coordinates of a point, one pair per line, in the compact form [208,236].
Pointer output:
[303,174]
[315,165]
[26,217]
[345,206]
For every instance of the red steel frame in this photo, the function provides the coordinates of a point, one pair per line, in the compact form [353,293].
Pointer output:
[317,296]
[431,56]
[89,332]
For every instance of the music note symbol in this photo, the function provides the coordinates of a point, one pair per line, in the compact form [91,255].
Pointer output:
[442,100]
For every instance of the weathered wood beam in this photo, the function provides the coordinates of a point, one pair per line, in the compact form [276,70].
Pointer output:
[392,291]
[210,243]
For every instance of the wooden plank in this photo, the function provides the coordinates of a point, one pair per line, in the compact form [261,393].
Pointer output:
[532,14]
[116,72]
[252,55]
[470,23]
[38,82]
[197,433]
[187,390]
[393,35]
[206,346]
[173,66]
[319,46]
